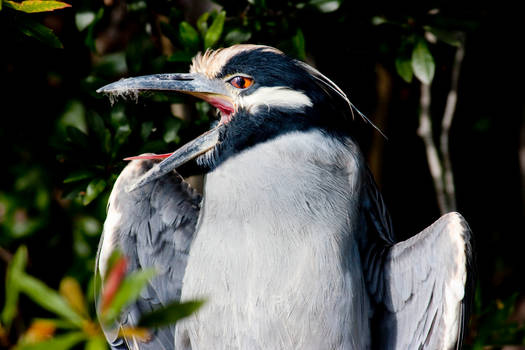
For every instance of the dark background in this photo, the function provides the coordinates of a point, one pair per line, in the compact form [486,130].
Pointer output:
[47,92]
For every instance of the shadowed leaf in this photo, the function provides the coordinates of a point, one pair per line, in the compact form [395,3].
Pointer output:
[38,31]
[16,267]
[404,68]
[169,314]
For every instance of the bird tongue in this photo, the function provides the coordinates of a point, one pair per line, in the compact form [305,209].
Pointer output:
[150,156]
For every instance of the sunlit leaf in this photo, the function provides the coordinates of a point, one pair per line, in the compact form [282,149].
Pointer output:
[189,37]
[423,62]
[202,23]
[31,6]
[214,32]
[169,314]
[39,330]
[94,188]
[15,268]
[38,31]
[96,343]
[137,332]
[128,292]
[71,291]
[60,342]
[46,297]
[84,19]
[326,6]
[404,68]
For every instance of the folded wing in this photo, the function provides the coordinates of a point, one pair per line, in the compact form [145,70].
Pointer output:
[152,226]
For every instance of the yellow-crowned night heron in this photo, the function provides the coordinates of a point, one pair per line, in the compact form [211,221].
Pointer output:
[291,244]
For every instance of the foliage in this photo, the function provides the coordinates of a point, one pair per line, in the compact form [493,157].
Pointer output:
[65,149]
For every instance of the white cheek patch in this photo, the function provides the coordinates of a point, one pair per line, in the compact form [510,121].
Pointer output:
[275,97]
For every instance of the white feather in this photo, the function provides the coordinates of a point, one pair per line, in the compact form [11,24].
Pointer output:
[275,97]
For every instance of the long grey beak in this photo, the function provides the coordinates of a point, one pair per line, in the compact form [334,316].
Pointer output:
[210,90]
[189,151]
[182,82]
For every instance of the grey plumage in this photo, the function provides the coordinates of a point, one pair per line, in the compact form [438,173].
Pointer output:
[292,244]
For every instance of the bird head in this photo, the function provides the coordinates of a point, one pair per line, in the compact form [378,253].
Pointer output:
[259,93]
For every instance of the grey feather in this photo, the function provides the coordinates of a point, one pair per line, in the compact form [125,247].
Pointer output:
[153,226]
[426,287]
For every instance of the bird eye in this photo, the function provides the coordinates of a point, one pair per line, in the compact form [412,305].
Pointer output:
[241,82]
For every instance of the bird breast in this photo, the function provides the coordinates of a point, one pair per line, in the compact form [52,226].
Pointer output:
[274,253]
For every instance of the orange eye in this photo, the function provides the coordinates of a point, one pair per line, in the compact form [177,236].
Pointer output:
[241,82]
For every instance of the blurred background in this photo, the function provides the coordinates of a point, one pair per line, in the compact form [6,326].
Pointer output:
[443,80]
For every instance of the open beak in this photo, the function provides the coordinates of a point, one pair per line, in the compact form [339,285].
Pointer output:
[212,91]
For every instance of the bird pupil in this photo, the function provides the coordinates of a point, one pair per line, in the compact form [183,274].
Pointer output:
[241,82]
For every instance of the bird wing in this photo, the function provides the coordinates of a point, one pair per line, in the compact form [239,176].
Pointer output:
[152,226]
[422,286]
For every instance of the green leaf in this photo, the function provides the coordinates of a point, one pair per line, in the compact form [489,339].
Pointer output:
[15,268]
[423,63]
[202,23]
[450,37]
[326,6]
[128,292]
[32,6]
[181,56]
[59,342]
[96,343]
[78,175]
[298,43]
[214,32]
[236,36]
[171,130]
[38,31]
[77,137]
[169,314]
[145,130]
[46,297]
[90,36]
[189,37]
[94,188]
[122,133]
[404,68]
[84,19]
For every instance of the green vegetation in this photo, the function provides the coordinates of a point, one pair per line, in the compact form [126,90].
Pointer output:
[63,144]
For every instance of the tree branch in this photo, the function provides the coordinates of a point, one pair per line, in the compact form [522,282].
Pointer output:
[425,132]
[448,115]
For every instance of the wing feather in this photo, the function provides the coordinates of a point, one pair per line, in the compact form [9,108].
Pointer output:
[421,287]
[153,226]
